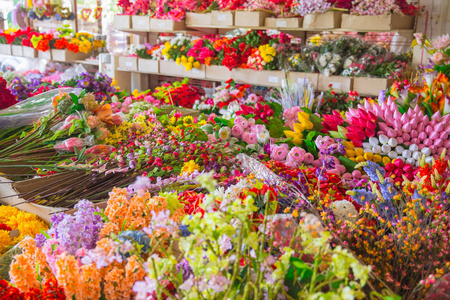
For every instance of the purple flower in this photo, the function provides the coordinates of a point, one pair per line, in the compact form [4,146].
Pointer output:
[78,231]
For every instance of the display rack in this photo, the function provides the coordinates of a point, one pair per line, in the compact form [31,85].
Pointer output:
[367,86]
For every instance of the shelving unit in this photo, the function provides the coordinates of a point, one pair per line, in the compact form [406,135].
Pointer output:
[340,83]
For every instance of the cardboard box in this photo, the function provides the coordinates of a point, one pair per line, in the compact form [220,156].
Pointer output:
[128,63]
[199,73]
[29,52]
[222,18]
[148,65]
[371,86]
[193,19]
[341,84]
[167,25]
[67,56]
[219,73]
[250,18]
[167,67]
[328,20]
[45,55]
[284,22]
[122,22]
[5,49]
[377,23]
[17,50]
[141,23]
[261,78]
[300,77]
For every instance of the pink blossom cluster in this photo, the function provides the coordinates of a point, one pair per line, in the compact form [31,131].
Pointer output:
[291,116]
[373,8]
[231,4]
[306,7]
[264,5]
[294,157]
[249,132]
[413,127]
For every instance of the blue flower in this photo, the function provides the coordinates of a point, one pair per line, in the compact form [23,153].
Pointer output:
[184,232]
[388,191]
[363,196]
[371,170]
[137,236]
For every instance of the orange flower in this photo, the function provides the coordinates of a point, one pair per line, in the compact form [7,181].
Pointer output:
[90,282]
[68,275]
[104,112]
[114,288]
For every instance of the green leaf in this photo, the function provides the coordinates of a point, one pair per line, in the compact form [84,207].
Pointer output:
[311,146]
[44,233]
[304,271]
[347,163]
[317,122]
[307,110]
[310,136]
[202,136]
[277,109]
[335,285]
[74,98]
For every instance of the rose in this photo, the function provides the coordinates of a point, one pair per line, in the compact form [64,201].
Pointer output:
[258,128]
[241,121]
[237,130]
[278,153]
[323,142]
[309,158]
[252,98]
[296,155]
[250,138]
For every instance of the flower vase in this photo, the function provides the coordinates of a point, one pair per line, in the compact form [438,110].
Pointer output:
[222,18]
[5,49]
[202,19]
[17,50]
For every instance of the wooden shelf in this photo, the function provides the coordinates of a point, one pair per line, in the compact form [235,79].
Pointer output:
[91,62]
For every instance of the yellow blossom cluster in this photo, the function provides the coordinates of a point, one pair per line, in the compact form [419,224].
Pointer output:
[26,223]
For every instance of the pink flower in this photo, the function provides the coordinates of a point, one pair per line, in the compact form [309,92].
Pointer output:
[441,42]
[419,38]
[127,102]
[237,130]
[69,144]
[278,153]
[439,57]
[211,138]
[258,128]
[105,132]
[252,98]
[241,121]
[296,155]
[309,158]
[117,119]
[250,138]
[68,121]
[323,142]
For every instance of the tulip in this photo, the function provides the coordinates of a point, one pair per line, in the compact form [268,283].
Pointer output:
[434,135]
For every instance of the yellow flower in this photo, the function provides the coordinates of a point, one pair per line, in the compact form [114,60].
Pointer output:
[190,59]
[296,135]
[188,66]
[196,65]
[188,121]
[5,241]
[303,117]
[189,167]
[184,59]
[178,60]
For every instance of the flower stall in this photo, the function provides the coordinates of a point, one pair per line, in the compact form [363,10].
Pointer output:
[256,160]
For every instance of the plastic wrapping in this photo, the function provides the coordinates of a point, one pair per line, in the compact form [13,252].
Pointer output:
[32,109]
[304,60]
[6,260]
[70,143]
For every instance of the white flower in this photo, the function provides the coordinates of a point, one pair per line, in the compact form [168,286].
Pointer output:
[224,133]
[343,209]
[263,137]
